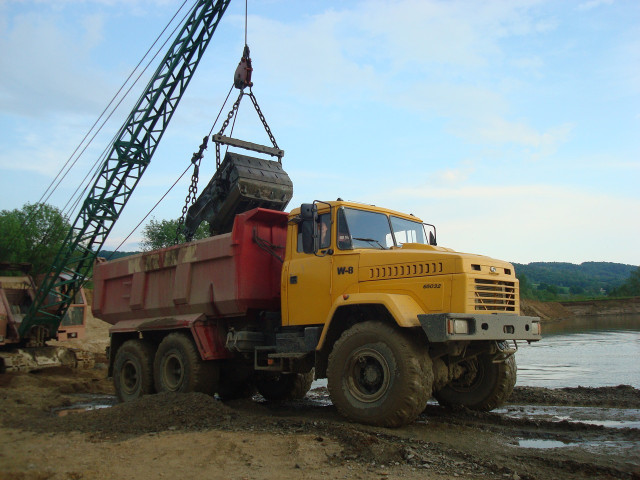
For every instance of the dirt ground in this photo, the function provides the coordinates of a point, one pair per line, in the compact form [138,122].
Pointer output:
[43,435]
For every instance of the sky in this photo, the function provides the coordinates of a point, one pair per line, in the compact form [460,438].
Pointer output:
[513,126]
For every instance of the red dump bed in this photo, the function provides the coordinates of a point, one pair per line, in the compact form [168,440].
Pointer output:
[222,276]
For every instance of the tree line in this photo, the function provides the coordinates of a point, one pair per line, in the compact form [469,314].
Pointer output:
[35,233]
[552,281]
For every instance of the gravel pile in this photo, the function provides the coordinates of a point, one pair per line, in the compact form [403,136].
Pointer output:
[149,414]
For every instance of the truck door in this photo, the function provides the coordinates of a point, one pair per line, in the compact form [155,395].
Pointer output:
[307,279]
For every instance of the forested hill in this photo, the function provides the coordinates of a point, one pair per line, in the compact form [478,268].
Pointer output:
[538,279]
[109,255]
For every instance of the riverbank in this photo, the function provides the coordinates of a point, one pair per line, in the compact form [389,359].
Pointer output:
[553,311]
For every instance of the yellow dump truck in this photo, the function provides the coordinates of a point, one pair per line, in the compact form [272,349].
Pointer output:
[357,294]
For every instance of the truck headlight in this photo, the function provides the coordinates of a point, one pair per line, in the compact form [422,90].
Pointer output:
[536,328]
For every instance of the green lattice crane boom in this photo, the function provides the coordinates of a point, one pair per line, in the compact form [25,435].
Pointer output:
[129,156]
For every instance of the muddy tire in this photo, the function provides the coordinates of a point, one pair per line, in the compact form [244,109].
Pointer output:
[377,375]
[279,387]
[178,367]
[484,386]
[133,370]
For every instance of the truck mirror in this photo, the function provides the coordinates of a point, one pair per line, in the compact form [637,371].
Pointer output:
[432,239]
[308,211]
[309,236]
[309,227]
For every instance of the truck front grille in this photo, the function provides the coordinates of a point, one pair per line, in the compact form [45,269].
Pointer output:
[494,295]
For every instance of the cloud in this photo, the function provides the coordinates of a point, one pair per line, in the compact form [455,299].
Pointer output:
[500,131]
[434,59]
[526,222]
[454,176]
[590,5]
[44,66]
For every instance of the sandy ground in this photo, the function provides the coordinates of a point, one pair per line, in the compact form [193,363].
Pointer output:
[195,436]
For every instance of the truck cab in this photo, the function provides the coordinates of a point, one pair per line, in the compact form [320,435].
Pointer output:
[352,264]
[379,257]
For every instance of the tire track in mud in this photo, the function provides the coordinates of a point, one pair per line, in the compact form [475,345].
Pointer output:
[442,442]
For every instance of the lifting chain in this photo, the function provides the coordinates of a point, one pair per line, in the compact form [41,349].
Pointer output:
[230,115]
[262,119]
[234,111]
[242,79]
[193,188]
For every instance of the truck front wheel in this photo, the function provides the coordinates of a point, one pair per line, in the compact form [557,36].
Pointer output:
[133,370]
[376,375]
[179,368]
[483,386]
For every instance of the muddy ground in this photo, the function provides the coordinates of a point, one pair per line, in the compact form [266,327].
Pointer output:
[47,433]
[197,436]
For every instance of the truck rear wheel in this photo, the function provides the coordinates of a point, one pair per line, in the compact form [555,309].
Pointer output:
[376,375]
[179,368]
[133,370]
[484,385]
[284,386]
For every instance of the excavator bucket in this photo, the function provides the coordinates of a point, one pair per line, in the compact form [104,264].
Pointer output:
[240,184]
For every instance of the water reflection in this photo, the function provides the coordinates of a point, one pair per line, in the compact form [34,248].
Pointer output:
[585,351]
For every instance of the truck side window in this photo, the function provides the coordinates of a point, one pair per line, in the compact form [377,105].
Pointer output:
[324,231]
[344,237]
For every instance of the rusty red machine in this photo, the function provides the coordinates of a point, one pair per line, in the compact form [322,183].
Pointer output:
[16,296]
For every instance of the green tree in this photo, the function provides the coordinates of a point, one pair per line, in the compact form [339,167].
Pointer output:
[630,288]
[32,234]
[161,234]
[526,288]
[576,290]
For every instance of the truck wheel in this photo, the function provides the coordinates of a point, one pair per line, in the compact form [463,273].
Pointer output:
[133,370]
[377,375]
[284,386]
[484,385]
[179,368]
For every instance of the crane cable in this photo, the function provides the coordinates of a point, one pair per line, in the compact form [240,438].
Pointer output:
[172,186]
[66,214]
[102,157]
[96,167]
[50,190]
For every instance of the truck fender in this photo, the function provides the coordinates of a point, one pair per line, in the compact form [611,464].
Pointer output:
[207,334]
[403,308]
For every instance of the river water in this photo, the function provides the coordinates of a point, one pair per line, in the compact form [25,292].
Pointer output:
[586,351]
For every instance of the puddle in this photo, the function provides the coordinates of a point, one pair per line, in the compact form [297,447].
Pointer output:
[606,417]
[319,397]
[86,403]
[543,443]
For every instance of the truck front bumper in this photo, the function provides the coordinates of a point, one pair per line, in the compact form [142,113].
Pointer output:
[449,327]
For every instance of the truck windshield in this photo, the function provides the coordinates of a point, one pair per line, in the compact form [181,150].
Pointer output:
[406,231]
[363,229]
